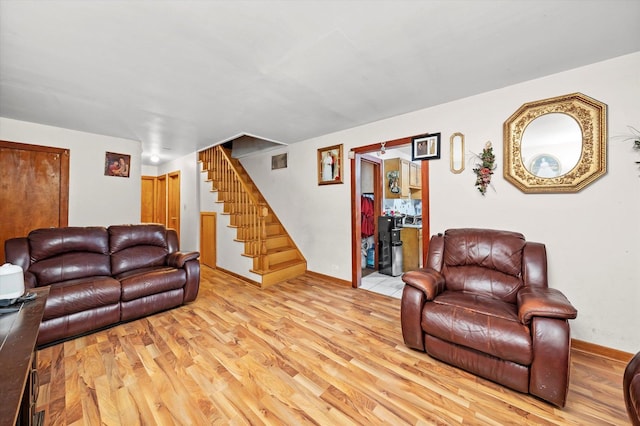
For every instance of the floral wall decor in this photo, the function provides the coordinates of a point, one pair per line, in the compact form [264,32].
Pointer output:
[484,169]
[636,139]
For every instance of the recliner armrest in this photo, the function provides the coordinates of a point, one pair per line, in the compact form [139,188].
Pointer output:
[430,281]
[179,258]
[543,302]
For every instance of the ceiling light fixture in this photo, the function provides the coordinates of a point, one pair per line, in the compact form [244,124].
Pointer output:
[155,158]
[382,148]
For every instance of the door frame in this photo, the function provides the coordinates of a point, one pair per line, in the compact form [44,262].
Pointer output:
[173,201]
[357,155]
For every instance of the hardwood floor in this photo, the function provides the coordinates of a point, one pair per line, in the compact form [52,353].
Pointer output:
[303,352]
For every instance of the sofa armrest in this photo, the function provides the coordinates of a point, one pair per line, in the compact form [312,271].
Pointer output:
[429,281]
[543,302]
[179,258]
[30,280]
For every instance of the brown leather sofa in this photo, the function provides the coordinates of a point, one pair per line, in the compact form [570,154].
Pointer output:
[631,389]
[100,276]
[482,304]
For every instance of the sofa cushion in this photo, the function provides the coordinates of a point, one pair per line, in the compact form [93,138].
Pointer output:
[485,324]
[70,266]
[481,261]
[147,281]
[62,254]
[79,295]
[48,242]
[137,246]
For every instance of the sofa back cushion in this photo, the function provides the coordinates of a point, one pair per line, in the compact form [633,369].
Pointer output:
[485,262]
[61,254]
[137,246]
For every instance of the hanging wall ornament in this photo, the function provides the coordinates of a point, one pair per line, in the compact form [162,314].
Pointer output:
[484,168]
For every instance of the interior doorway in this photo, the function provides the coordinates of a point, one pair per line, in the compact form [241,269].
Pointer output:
[363,158]
[161,200]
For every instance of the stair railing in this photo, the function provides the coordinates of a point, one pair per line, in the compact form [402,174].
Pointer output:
[248,213]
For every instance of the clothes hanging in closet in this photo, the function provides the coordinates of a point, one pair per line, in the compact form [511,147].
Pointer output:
[367,222]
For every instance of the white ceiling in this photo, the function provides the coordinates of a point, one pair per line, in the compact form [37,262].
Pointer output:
[183,75]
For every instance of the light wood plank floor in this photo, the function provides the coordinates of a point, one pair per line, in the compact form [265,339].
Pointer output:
[302,352]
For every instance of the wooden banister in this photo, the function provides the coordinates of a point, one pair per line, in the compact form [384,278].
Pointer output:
[274,255]
[249,214]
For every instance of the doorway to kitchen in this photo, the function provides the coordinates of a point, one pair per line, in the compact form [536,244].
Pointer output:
[379,192]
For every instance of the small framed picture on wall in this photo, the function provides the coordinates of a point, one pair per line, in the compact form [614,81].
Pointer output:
[425,147]
[330,165]
[117,164]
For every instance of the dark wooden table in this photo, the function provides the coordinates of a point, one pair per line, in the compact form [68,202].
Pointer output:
[18,361]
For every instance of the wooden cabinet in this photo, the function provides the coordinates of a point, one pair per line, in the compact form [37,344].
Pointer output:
[401,178]
[19,362]
[411,248]
[415,173]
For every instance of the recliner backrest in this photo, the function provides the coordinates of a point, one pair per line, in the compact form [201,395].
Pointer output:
[137,246]
[483,261]
[61,254]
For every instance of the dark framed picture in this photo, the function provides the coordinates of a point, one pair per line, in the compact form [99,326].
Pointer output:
[330,165]
[425,147]
[117,164]
[279,161]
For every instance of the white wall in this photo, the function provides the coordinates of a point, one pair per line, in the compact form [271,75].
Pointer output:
[94,199]
[149,170]
[592,237]
[189,199]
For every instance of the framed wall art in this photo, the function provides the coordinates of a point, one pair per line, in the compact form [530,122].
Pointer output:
[279,161]
[330,165]
[117,164]
[425,147]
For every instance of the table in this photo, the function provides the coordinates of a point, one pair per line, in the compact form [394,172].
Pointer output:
[18,361]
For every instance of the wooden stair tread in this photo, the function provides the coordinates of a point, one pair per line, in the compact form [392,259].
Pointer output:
[280,266]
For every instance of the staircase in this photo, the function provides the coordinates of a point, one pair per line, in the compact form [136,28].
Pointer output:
[275,256]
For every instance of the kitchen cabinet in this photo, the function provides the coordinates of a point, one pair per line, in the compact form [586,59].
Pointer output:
[415,174]
[411,248]
[402,178]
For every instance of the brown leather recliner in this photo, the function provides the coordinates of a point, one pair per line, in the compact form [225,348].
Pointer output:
[631,389]
[482,304]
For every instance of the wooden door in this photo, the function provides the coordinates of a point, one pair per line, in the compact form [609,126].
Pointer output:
[148,204]
[356,210]
[34,189]
[208,239]
[173,201]
[161,200]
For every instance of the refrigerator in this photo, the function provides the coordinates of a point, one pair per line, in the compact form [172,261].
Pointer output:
[389,246]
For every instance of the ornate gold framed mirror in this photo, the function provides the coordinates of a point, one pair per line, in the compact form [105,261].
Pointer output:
[556,144]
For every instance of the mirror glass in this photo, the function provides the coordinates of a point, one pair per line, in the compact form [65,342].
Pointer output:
[551,145]
[456,147]
[556,145]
